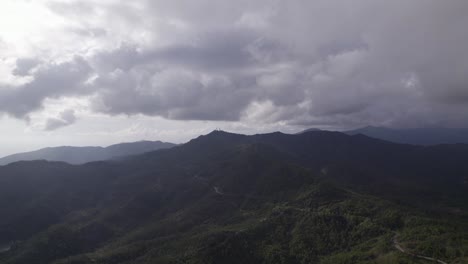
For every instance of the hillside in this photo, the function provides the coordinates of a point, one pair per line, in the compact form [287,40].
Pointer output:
[317,197]
[81,155]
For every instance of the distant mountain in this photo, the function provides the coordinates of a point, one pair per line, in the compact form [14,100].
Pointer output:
[415,136]
[81,155]
[318,197]
[310,130]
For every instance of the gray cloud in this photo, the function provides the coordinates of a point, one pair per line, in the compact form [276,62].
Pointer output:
[337,63]
[212,51]
[24,66]
[64,118]
[49,81]
[88,32]
[171,93]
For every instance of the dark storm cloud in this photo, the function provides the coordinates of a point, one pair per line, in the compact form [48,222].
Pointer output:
[171,93]
[340,63]
[213,51]
[198,81]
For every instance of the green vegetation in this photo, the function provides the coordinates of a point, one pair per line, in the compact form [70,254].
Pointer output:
[225,199]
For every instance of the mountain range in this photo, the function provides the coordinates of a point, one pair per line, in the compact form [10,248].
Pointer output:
[315,197]
[416,136]
[81,155]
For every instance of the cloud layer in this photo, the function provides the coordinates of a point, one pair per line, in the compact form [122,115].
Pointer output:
[65,118]
[309,63]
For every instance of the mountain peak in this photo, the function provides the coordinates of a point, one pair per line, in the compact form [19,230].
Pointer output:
[222,133]
[313,129]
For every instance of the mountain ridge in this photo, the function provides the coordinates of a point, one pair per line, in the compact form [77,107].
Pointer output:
[80,155]
[320,197]
[415,136]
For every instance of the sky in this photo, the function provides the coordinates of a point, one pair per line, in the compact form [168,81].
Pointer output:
[101,72]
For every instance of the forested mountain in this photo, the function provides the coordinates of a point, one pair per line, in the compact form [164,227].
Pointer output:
[315,197]
[80,155]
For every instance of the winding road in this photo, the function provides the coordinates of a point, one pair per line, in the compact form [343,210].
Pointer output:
[398,246]
[218,190]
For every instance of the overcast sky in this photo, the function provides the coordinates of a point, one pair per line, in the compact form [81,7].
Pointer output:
[97,72]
